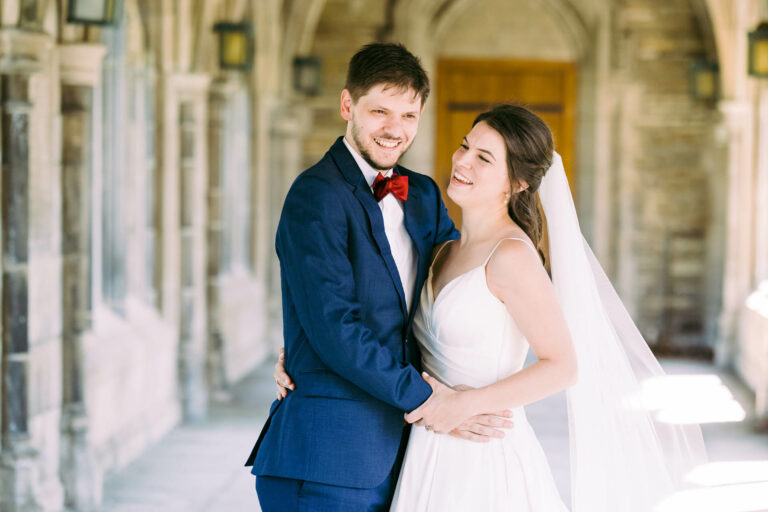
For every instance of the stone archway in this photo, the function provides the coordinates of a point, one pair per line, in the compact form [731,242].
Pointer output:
[423,25]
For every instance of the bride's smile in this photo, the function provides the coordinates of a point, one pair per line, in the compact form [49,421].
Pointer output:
[479,172]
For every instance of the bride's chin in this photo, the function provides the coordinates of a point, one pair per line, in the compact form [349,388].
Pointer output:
[455,197]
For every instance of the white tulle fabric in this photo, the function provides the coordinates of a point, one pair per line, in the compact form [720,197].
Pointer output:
[621,459]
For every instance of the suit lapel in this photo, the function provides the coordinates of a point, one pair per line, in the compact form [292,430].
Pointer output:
[362,192]
[414,223]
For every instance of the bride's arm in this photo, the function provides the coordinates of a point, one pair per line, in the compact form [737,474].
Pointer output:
[517,278]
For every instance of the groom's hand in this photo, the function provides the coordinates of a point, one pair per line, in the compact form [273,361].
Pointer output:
[482,427]
[282,379]
[445,410]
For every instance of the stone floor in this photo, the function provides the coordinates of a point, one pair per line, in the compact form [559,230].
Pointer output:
[199,467]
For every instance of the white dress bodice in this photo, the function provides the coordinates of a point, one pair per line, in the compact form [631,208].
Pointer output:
[467,336]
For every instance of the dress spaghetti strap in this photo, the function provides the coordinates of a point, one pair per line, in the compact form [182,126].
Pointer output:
[526,242]
[440,250]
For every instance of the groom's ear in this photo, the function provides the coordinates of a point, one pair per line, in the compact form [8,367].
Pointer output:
[345,105]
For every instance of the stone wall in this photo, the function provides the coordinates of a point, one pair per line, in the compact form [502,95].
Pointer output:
[663,187]
[104,350]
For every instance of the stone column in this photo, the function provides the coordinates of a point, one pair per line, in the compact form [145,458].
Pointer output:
[215,232]
[737,278]
[288,130]
[80,76]
[192,96]
[18,460]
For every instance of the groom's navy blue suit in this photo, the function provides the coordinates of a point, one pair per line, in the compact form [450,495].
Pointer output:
[348,345]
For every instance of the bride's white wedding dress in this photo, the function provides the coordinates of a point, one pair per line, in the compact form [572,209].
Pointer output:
[467,337]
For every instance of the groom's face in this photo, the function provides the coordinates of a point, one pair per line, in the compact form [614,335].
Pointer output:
[382,123]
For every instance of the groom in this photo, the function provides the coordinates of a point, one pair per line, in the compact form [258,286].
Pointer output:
[354,241]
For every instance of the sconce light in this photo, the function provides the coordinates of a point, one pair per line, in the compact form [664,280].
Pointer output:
[235,45]
[307,75]
[705,78]
[758,51]
[94,12]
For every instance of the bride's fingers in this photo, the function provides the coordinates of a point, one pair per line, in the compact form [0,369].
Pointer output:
[480,429]
[486,431]
[469,436]
[492,421]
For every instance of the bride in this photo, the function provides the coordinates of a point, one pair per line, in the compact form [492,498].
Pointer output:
[487,299]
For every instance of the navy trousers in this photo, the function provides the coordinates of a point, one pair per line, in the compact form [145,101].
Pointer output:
[288,495]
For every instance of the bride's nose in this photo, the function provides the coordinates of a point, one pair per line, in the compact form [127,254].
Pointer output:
[461,159]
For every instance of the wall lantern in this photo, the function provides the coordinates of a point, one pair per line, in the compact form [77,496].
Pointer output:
[704,78]
[235,45]
[758,51]
[307,75]
[94,12]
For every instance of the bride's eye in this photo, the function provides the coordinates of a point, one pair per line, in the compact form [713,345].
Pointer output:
[464,147]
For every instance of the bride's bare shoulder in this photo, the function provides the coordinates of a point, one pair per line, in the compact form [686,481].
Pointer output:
[514,261]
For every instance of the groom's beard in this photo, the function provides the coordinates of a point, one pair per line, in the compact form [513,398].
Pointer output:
[366,154]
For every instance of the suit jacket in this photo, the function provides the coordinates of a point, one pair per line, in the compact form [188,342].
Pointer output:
[348,345]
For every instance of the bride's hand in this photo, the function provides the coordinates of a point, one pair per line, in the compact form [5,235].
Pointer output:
[445,410]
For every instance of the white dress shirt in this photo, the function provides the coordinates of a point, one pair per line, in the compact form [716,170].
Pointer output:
[400,242]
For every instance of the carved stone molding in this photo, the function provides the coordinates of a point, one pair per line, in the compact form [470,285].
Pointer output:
[80,64]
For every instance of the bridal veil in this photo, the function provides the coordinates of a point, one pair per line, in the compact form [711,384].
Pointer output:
[622,458]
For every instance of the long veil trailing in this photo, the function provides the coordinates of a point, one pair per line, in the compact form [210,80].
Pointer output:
[622,459]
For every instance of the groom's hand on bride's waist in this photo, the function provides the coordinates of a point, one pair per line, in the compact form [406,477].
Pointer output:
[479,428]
[283,381]
[482,427]
[451,411]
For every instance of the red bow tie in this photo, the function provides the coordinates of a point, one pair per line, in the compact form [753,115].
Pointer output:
[396,184]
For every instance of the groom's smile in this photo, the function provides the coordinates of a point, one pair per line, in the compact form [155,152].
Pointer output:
[382,123]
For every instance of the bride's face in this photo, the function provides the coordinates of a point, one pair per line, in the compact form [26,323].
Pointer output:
[479,175]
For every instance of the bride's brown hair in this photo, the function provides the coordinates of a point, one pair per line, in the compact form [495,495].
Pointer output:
[530,146]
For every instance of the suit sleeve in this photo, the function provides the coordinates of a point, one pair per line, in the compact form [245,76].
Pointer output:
[445,227]
[312,246]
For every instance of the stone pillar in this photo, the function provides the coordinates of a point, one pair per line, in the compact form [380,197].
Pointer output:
[737,278]
[288,130]
[216,119]
[761,191]
[18,460]
[80,76]
[192,95]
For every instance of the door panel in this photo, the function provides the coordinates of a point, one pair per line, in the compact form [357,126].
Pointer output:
[467,87]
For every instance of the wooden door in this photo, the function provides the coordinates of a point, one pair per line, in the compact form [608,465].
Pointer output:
[467,87]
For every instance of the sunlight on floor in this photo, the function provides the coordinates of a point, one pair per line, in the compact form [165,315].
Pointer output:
[752,497]
[758,300]
[685,399]
[734,486]
[726,473]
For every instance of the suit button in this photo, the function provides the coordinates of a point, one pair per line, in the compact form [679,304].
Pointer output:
[407,340]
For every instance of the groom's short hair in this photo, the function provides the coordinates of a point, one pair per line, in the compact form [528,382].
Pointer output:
[386,63]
